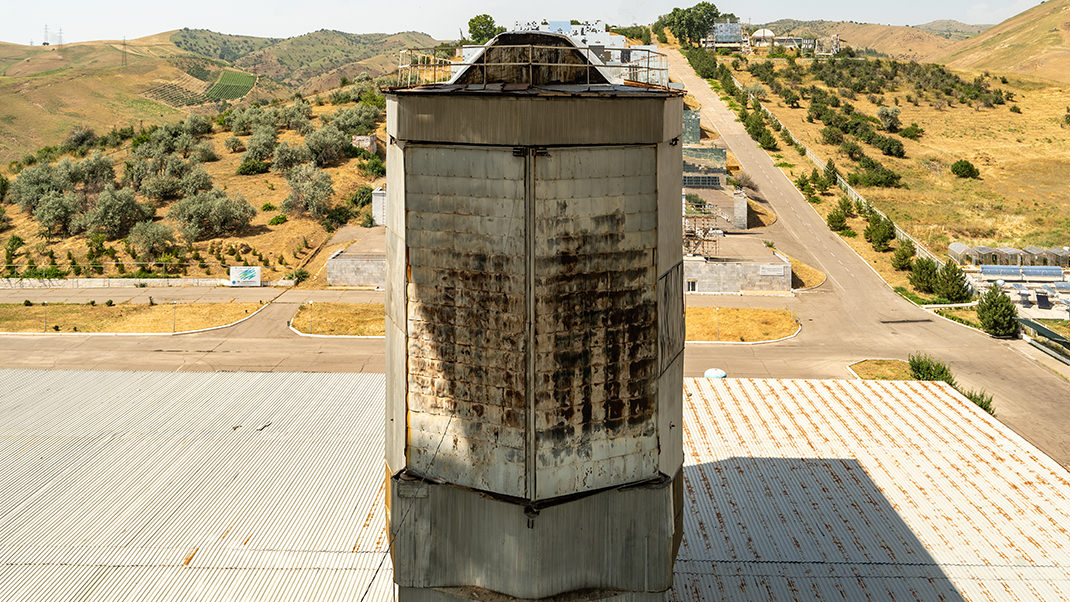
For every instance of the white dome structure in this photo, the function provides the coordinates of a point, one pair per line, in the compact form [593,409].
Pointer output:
[763,37]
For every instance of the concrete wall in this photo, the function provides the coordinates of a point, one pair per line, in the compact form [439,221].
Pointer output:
[379,206]
[740,210]
[736,276]
[356,271]
[20,283]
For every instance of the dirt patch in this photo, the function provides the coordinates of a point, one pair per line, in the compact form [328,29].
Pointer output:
[359,319]
[882,370]
[739,324]
[124,317]
[804,275]
[962,315]
[759,215]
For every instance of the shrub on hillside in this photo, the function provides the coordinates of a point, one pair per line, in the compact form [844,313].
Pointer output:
[261,144]
[287,157]
[211,214]
[327,145]
[903,258]
[55,212]
[913,132]
[233,144]
[310,191]
[373,167]
[252,168]
[926,367]
[998,314]
[362,197]
[836,220]
[115,214]
[151,239]
[964,169]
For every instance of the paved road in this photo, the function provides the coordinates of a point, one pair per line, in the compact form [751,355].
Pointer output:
[855,315]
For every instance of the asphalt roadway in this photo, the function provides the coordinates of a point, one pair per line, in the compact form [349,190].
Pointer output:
[854,315]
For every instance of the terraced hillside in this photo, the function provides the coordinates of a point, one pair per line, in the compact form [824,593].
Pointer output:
[1034,43]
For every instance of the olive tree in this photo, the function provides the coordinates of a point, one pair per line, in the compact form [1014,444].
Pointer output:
[115,214]
[310,191]
[55,211]
[211,213]
[150,239]
[327,145]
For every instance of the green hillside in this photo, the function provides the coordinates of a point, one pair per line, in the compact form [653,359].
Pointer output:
[1035,43]
[303,61]
[220,46]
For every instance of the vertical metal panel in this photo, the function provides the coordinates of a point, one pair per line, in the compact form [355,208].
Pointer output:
[464,234]
[595,318]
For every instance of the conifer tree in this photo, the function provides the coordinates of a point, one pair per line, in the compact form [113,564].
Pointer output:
[997,313]
[951,283]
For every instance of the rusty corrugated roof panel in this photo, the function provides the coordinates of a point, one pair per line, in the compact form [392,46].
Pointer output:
[138,486]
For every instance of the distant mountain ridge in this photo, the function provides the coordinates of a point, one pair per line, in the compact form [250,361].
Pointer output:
[953,30]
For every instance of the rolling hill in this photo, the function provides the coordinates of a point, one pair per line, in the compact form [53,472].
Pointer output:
[900,42]
[1035,43]
[953,30]
[46,91]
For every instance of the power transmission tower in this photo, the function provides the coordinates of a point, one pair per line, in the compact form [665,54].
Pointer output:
[59,42]
[124,51]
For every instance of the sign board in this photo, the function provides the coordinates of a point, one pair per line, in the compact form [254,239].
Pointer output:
[771,270]
[244,275]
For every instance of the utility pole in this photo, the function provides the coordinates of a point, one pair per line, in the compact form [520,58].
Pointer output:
[124,51]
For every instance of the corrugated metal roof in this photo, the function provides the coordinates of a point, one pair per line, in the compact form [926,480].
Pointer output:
[256,486]
[858,490]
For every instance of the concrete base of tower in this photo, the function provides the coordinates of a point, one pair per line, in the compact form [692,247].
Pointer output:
[464,594]
[451,543]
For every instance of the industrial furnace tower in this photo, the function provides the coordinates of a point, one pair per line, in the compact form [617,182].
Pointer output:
[534,325]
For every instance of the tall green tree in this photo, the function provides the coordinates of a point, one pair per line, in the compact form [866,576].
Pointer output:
[998,314]
[923,274]
[481,28]
[951,283]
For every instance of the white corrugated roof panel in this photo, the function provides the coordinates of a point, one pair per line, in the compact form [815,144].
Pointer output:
[254,486]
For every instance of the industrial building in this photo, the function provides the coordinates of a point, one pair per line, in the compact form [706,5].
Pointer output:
[213,487]
[534,331]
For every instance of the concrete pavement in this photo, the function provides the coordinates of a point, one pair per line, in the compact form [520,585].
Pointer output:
[855,314]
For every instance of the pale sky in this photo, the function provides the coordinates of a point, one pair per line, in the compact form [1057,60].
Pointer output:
[114,19]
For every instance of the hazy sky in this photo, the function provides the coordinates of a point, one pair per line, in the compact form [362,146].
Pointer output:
[105,19]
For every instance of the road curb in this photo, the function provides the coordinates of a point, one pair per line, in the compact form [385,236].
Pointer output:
[137,334]
[289,324]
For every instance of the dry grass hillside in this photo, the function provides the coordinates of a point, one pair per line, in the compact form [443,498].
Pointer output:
[45,91]
[1021,196]
[908,43]
[284,246]
[1034,43]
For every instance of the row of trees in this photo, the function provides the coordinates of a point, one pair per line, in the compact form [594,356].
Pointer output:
[690,25]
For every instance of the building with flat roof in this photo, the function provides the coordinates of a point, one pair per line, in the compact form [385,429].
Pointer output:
[269,486]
